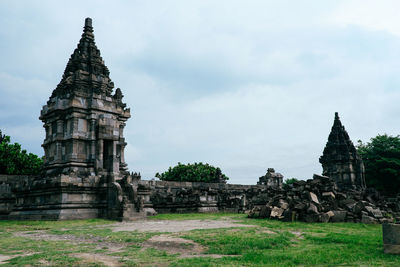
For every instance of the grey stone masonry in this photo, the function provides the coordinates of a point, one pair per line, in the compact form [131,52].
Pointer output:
[340,159]
[271,178]
[391,238]
[84,121]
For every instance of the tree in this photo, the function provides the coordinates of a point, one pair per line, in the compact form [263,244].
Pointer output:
[288,182]
[197,172]
[13,160]
[381,158]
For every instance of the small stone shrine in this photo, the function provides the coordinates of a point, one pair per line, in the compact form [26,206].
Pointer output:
[85,174]
[271,179]
[340,159]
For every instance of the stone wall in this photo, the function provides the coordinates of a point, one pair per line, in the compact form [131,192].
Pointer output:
[181,197]
[8,185]
[67,197]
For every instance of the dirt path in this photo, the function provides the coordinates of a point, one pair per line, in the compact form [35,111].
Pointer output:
[174,226]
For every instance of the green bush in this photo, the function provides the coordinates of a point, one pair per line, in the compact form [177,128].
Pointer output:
[381,157]
[288,182]
[197,172]
[13,160]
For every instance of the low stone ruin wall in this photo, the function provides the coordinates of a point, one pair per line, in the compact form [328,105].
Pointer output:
[183,197]
[314,200]
[8,184]
[318,200]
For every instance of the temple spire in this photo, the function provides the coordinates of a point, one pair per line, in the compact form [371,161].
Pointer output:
[85,73]
[88,29]
[340,159]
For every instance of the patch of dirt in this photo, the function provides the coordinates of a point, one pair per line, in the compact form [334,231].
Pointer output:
[100,243]
[266,231]
[299,235]
[44,263]
[4,258]
[173,245]
[174,226]
[99,258]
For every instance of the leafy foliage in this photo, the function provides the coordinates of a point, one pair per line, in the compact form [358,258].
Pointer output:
[13,160]
[381,158]
[197,172]
[288,182]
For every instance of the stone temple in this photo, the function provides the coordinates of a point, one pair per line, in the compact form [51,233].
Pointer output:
[340,159]
[85,174]
[84,122]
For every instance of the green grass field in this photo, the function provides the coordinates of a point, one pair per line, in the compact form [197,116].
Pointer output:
[268,243]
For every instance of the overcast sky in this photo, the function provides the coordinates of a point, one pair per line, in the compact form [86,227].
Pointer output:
[243,85]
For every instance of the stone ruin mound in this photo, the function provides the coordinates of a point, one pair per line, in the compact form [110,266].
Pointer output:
[319,200]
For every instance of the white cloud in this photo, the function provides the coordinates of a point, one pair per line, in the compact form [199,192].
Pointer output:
[374,15]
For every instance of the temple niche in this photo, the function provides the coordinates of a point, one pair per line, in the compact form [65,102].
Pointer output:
[84,121]
[340,159]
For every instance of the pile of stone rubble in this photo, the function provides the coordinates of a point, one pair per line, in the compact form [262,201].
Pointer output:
[319,200]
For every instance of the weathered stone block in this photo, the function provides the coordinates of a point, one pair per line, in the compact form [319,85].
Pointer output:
[339,216]
[368,219]
[374,212]
[391,238]
[328,194]
[276,212]
[312,209]
[313,197]
[324,217]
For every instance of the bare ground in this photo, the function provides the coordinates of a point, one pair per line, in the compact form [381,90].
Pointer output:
[4,258]
[186,248]
[174,226]
[111,261]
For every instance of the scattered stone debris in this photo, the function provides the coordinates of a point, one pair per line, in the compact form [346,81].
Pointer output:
[318,200]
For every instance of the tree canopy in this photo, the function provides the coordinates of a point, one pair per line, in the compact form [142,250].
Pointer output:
[14,160]
[197,172]
[381,158]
